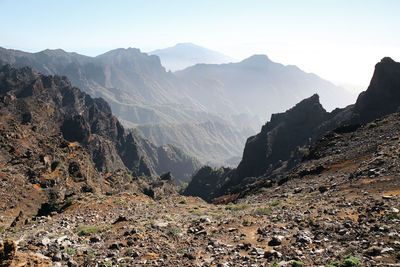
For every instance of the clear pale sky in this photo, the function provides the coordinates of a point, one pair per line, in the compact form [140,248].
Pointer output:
[340,40]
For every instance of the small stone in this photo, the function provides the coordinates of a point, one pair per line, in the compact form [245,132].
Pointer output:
[272,254]
[45,241]
[94,239]
[57,257]
[275,241]
[386,250]
[373,251]
[72,263]
[113,246]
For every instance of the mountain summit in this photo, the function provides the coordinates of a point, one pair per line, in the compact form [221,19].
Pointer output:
[183,55]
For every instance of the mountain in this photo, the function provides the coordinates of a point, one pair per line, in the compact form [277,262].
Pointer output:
[227,97]
[140,91]
[135,84]
[184,55]
[51,106]
[282,142]
[259,86]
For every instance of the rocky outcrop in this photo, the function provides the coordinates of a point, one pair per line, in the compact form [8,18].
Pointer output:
[383,94]
[280,136]
[207,182]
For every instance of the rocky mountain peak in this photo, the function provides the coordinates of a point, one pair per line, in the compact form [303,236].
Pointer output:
[257,60]
[383,94]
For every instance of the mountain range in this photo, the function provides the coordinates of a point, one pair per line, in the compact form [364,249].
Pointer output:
[230,97]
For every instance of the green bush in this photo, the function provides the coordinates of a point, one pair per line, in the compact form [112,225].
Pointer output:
[173,231]
[297,263]
[87,230]
[262,211]
[349,261]
[70,251]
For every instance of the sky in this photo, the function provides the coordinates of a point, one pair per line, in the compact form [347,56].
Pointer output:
[339,40]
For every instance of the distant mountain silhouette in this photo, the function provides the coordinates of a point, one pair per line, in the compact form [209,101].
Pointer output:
[184,55]
[260,86]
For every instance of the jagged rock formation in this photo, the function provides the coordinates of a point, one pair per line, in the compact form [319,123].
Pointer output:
[280,136]
[207,182]
[278,147]
[383,94]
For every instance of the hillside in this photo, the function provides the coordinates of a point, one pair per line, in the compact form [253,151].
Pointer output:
[344,214]
[282,141]
[58,142]
[184,55]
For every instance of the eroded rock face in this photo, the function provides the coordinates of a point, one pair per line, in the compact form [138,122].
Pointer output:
[280,136]
[383,94]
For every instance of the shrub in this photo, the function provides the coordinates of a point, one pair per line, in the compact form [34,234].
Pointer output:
[183,201]
[173,231]
[70,251]
[262,211]
[237,207]
[275,203]
[349,261]
[87,230]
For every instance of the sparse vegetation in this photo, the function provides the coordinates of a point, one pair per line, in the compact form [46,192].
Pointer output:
[297,263]
[173,231]
[70,251]
[275,203]
[87,230]
[349,261]
[262,211]
[237,207]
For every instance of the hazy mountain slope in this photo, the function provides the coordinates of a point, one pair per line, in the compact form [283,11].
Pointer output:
[259,86]
[132,82]
[184,55]
[211,142]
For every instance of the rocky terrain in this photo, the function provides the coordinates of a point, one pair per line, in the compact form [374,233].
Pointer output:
[339,207]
